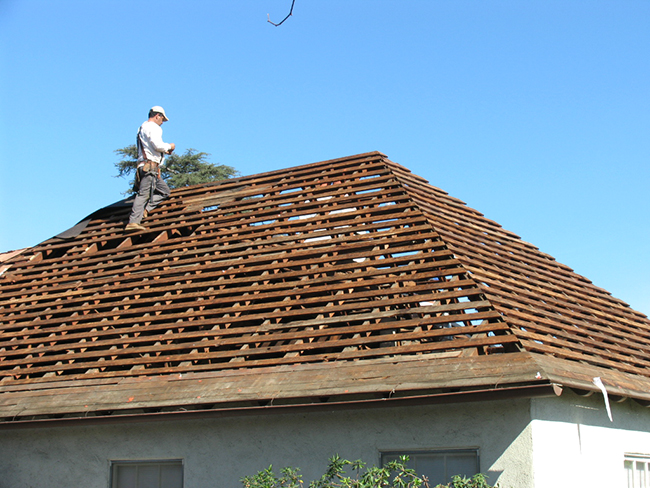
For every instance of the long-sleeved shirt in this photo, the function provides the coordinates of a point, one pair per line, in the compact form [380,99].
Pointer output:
[151,142]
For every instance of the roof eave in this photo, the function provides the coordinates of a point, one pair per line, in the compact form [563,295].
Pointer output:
[541,389]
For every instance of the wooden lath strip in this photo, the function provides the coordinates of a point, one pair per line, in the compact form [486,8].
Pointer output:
[261,343]
[375,221]
[532,262]
[451,213]
[225,295]
[118,327]
[604,361]
[438,203]
[218,256]
[571,284]
[541,289]
[234,326]
[181,214]
[576,311]
[587,343]
[570,323]
[313,347]
[557,326]
[254,266]
[224,315]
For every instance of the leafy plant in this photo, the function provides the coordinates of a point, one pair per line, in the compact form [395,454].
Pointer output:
[476,481]
[394,474]
[289,478]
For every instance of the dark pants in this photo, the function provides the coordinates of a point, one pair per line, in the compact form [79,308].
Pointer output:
[151,192]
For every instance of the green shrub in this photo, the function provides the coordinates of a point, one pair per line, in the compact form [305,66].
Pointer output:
[395,474]
[476,481]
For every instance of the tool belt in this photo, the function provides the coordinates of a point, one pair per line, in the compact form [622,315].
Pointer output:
[150,166]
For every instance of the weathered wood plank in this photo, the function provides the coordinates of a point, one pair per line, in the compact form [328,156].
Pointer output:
[363,377]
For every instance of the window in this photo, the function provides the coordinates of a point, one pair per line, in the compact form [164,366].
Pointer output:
[637,470]
[438,466]
[147,474]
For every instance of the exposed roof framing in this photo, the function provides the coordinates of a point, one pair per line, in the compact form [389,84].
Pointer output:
[355,263]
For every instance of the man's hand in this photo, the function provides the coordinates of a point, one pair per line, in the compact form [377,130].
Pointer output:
[172,148]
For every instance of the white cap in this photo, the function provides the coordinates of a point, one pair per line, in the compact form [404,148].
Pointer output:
[159,110]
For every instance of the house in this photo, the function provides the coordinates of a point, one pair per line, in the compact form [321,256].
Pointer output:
[345,306]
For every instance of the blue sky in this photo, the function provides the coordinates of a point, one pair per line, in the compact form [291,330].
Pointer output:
[535,112]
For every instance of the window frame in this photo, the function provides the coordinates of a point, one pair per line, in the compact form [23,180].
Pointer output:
[116,463]
[635,458]
[433,452]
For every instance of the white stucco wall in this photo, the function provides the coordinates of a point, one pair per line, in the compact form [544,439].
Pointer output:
[575,444]
[538,443]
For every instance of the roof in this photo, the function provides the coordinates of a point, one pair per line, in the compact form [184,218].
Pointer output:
[340,282]
[5,256]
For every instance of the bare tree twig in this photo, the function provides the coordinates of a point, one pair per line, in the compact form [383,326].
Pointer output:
[288,15]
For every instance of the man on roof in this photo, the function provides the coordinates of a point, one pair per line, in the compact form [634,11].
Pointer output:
[150,187]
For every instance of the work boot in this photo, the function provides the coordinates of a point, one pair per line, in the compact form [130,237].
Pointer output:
[134,227]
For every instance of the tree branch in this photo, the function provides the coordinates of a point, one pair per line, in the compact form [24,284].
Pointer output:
[288,15]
